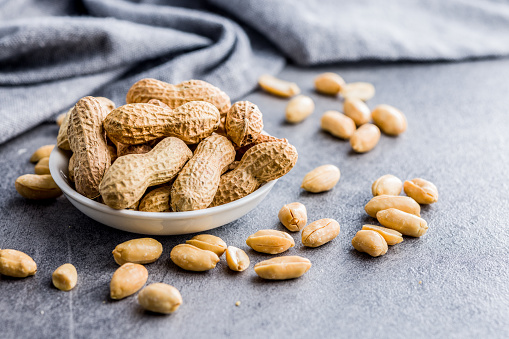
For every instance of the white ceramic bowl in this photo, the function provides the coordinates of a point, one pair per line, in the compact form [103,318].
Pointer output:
[155,223]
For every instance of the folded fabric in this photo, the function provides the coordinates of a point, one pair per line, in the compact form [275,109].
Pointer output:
[54,52]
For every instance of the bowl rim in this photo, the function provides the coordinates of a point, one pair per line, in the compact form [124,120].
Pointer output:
[57,175]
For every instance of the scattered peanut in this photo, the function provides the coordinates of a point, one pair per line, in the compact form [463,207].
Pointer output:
[42,167]
[270,241]
[157,200]
[16,264]
[320,232]
[160,298]
[387,185]
[422,191]
[243,123]
[392,237]
[365,138]
[282,268]
[65,277]
[383,202]
[293,216]
[403,222]
[357,110]
[321,179]
[128,178]
[177,95]
[277,86]
[359,90]
[41,152]
[337,124]
[127,280]
[370,242]
[208,242]
[198,181]
[237,259]
[34,186]
[299,108]
[192,258]
[390,120]
[260,164]
[87,141]
[139,123]
[138,251]
[329,83]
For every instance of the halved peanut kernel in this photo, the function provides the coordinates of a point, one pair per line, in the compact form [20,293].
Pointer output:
[422,191]
[282,268]
[329,83]
[293,216]
[337,124]
[383,202]
[320,232]
[403,222]
[208,242]
[365,138]
[360,90]
[299,108]
[270,241]
[387,185]
[389,119]
[370,242]
[357,110]
[237,259]
[392,237]
[277,86]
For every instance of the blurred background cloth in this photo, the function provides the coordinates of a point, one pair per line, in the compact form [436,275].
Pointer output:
[53,52]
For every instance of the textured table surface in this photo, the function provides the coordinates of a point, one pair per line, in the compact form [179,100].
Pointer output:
[452,282]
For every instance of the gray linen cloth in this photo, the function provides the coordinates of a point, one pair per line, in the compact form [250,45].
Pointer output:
[53,52]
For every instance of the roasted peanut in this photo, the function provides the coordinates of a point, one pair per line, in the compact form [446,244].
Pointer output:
[357,110]
[329,83]
[177,95]
[282,268]
[259,140]
[128,178]
[321,179]
[360,90]
[87,141]
[387,185]
[41,152]
[383,202]
[139,123]
[208,242]
[138,251]
[293,216]
[320,232]
[192,258]
[260,164]
[365,138]
[198,181]
[16,264]
[127,280]
[42,166]
[370,242]
[337,124]
[62,139]
[422,191]
[392,237]
[299,108]
[34,186]
[65,277]
[70,168]
[160,298]
[237,259]
[270,241]
[403,222]
[389,119]
[277,86]
[243,123]
[157,200]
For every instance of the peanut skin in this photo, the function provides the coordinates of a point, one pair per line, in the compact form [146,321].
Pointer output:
[177,95]
[128,178]
[260,164]
[139,123]
[197,183]
[88,142]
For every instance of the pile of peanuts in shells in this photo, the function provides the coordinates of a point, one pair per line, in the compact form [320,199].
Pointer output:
[199,151]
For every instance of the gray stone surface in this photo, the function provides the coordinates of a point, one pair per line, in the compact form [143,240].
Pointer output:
[452,282]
